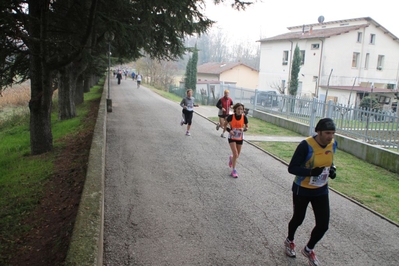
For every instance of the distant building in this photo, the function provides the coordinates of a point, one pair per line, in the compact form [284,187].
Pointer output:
[235,72]
[360,54]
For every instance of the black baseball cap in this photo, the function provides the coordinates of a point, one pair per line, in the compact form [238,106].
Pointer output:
[325,124]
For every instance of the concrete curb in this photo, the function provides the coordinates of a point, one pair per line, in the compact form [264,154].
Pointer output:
[86,247]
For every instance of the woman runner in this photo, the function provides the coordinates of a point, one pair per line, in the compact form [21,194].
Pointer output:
[238,123]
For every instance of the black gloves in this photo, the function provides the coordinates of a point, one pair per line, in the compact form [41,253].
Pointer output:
[316,171]
[245,129]
[332,173]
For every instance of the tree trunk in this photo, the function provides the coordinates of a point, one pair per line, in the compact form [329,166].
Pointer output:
[86,82]
[79,95]
[66,93]
[41,137]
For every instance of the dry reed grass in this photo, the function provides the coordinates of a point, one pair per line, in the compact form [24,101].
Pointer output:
[16,96]
[14,102]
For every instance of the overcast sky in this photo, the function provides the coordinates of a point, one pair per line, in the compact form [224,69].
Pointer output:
[272,17]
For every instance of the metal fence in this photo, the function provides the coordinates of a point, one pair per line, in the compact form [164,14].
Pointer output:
[372,126]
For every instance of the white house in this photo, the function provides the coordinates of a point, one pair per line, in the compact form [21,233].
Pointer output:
[345,59]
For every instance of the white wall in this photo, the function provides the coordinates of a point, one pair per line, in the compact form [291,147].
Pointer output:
[335,52]
[272,71]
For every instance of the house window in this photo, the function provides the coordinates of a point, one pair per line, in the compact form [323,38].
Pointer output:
[285,57]
[359,37]
[372,38]
[380,62]
[283,84]
[315,46]
[355,59]
[366,61]
[302,57]
[384,100]
[390,86]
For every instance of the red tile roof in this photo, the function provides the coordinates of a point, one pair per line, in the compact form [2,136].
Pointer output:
[327,32]
[318,33]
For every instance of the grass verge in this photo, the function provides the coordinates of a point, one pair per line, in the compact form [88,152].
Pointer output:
[23,177]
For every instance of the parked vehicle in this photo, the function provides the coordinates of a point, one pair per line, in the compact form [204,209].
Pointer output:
[265,98]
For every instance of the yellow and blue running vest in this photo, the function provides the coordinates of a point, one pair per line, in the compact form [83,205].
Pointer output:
[317,157]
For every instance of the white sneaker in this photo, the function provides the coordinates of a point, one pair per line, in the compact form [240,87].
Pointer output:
[290,248]
[313,261]
[188,133]
[222,135]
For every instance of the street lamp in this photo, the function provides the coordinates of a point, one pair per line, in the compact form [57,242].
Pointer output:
[109,37]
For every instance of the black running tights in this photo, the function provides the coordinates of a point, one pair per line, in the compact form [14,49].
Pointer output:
[321,210]
[188,116]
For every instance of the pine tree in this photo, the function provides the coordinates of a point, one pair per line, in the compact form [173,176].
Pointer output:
[190,81]
[188,74]
[295,68]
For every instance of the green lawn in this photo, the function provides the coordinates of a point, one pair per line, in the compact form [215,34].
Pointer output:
[23,176]
[368,184]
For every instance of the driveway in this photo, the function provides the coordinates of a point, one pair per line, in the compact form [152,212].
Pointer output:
[170,200]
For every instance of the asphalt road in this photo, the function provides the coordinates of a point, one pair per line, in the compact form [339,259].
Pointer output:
[170,200]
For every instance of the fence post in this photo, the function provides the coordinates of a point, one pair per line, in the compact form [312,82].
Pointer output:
[330,107]
[312,121]
[256,98]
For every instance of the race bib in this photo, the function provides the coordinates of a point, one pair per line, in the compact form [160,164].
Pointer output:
[320,180]
[190,107]
[237,134]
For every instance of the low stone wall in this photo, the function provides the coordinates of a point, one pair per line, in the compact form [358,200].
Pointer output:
[86,247]
[369,153]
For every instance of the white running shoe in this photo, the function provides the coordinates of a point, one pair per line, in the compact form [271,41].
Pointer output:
[313,261]
[290,248]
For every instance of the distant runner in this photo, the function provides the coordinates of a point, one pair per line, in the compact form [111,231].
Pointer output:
[187,103]
[224,104]
[138,80]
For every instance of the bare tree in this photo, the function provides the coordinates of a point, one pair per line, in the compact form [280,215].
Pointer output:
[215,47]
[279,86]
[247,53]
[218,47]
[159,73]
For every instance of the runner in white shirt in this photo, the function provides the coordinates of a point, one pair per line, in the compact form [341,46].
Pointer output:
[138,80]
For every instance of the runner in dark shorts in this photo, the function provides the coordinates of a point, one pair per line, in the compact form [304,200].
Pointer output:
[238,124]
[224,104]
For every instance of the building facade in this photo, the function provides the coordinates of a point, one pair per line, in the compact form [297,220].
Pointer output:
[356,53]
[234,72]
